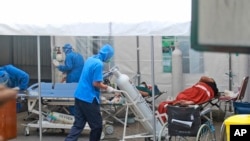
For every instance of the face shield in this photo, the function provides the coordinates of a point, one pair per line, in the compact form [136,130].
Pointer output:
[67,48]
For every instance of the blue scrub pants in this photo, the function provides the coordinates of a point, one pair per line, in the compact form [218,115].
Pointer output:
[86,113]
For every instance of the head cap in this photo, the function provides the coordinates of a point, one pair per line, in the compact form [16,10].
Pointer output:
[106,52]
[67,48]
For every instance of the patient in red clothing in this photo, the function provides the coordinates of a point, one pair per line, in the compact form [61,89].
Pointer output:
[203,91]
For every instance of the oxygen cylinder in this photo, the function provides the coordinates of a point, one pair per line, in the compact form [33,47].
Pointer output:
[62,118]
[139,107]
[177,79]
[59,56]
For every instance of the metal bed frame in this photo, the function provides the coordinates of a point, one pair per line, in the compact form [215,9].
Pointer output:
[57,94]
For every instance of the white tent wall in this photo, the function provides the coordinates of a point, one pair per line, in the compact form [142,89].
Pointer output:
[240,69]
[126,59]
[216,65]
[61,40]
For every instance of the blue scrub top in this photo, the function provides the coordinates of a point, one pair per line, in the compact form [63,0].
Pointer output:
[17,77]
[92,72]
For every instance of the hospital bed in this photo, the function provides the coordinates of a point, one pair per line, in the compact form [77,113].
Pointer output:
[54,94]
[112,110]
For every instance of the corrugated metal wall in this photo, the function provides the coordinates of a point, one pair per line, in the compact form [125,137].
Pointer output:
[21,51]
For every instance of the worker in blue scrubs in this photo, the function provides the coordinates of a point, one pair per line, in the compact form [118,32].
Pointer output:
[87,96]
[72,67]
[73,64]
[14,77]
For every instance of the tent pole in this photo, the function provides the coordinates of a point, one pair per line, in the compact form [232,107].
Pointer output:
[230,72]
[138,62]
[153,83]
[53,71]
[230,78]
[39,86]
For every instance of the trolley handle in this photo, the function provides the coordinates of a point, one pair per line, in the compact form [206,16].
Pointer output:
[183,123]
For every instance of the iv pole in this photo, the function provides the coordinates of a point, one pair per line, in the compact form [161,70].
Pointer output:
[230,75]
[138,61]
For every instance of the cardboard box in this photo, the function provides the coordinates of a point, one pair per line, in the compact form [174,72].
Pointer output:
[8,120]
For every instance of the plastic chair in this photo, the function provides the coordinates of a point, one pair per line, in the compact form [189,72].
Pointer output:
[227,100]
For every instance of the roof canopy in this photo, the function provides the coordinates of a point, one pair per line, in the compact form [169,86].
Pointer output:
[95,17]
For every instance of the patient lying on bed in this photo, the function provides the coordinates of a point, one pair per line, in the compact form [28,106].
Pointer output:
[204,90]
[146,90]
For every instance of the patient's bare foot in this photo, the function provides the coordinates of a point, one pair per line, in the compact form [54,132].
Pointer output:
[184,103]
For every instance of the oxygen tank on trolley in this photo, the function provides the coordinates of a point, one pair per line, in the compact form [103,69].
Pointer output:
[139,107]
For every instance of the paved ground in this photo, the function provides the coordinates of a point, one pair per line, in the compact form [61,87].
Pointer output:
[57,135]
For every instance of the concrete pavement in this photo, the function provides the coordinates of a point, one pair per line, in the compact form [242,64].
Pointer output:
[58,135]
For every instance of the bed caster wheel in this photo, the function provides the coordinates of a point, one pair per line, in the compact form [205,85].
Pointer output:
[150,139]
[62,131]
[26,131]
[109,129]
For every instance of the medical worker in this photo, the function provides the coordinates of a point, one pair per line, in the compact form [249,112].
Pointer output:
[73,64]
[87,96]
[14,77]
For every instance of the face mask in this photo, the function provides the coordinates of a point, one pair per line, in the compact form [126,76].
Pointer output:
[109,60]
